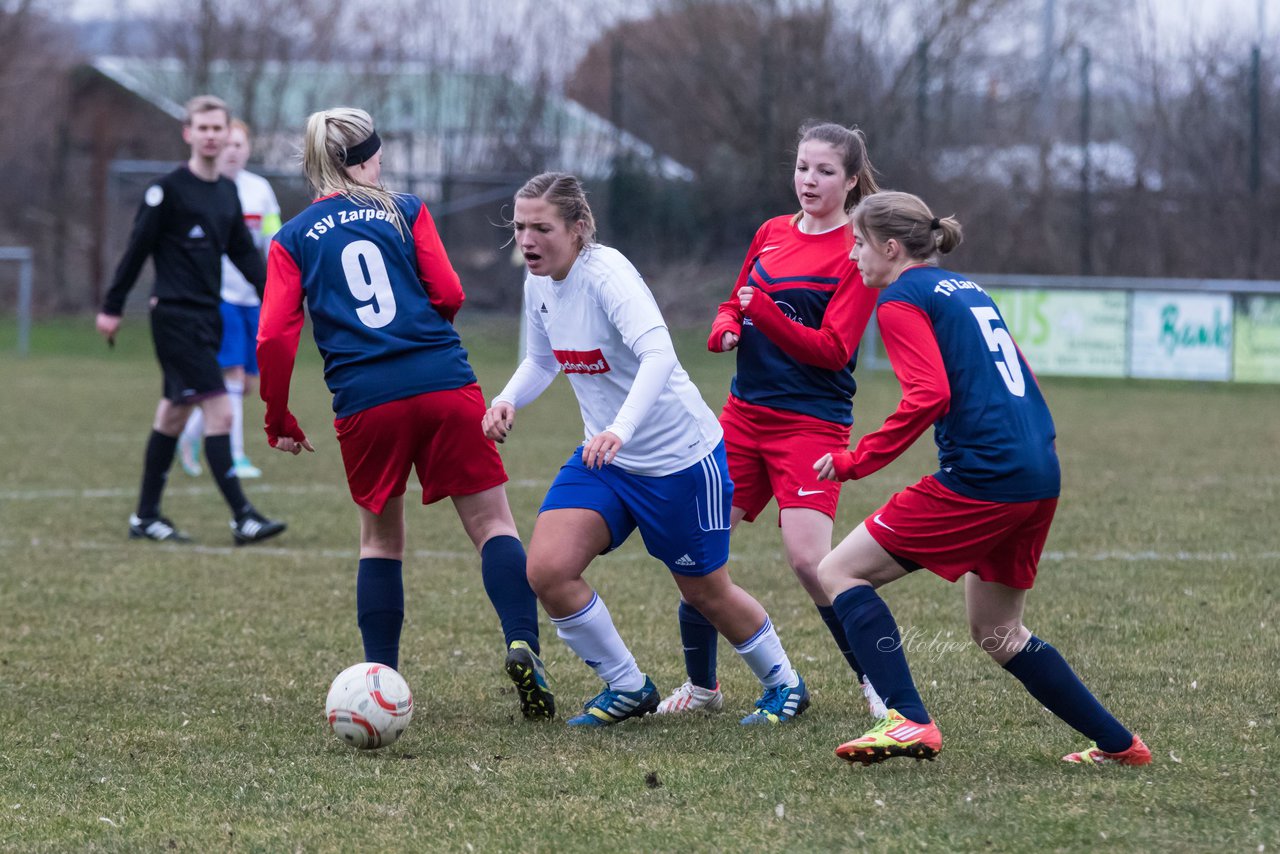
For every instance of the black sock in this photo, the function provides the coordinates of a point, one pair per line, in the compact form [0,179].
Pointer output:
[155,471]
[217,450]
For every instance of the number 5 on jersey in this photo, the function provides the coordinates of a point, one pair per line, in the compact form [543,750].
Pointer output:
[1000,341]
[367,278]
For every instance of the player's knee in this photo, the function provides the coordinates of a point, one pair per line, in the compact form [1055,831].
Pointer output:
[1000,640]
[832,576]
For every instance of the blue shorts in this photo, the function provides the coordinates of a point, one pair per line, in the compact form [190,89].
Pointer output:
[683,517]
[239,337]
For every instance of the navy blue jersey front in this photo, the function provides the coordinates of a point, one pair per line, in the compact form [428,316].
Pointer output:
[381,303]
[996,439]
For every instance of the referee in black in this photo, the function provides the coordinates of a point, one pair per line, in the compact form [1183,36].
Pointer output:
[187,221]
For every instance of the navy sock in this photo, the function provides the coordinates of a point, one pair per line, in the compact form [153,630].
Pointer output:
[380,608]
[1046,675]
[834,626]
[217,450]
[155,471]
[867,623]
[502,567]
[699,639]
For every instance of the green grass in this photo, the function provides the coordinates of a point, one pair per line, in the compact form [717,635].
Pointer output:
[171,698]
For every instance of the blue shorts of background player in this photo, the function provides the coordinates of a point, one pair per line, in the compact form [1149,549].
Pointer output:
[689,543]
[239,337]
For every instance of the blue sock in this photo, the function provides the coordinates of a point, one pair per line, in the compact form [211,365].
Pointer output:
[699,639]
[1046,675]
[380,608]
[867,622]
[834,626]
[502,567]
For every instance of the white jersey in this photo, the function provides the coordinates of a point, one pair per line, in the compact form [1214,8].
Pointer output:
[262,215]
[589,322]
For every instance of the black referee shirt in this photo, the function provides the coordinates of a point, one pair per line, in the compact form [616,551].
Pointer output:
[187,224]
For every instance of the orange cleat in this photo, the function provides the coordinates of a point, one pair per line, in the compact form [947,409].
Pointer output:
[1136,754]
[893,736]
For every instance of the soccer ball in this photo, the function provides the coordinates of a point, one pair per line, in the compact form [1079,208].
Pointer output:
[369,706]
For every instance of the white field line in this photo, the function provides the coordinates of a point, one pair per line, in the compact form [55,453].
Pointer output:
[254,488]
[295,551]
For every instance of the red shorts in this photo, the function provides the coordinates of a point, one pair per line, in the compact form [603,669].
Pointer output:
[771,455]
[950,535]
[438,433]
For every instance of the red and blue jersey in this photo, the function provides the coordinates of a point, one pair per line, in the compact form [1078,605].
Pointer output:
[799,334]
[381,306]
[961,371]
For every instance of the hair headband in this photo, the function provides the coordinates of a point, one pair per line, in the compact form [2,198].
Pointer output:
[935,224]
[361,152]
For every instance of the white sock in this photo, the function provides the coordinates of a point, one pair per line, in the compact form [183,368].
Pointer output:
[590,633]
[235,393]
[764,654]
[193,432]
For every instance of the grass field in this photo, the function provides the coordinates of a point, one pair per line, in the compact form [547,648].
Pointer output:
[158,698]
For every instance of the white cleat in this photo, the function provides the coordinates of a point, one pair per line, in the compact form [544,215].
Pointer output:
[874,704]
[246,470]
[691,698]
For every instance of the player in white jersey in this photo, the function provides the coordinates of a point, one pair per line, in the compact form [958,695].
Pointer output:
[240,306]
[652,458]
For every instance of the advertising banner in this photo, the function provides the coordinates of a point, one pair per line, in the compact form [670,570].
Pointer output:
[1257,334]
[1068,333]
[1185,336]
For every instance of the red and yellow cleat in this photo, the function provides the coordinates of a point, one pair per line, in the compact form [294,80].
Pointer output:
[1136,754]
[893,736]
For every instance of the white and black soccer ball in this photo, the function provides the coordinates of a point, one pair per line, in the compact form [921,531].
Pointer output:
[369,706]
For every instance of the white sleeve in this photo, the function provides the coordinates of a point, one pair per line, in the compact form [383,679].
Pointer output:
[538,368]
[657,360]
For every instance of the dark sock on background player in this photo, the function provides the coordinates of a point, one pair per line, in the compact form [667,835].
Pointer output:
[1046,675]
[874,638]
[217,450]
[155,472]
[699,639]
[380,608]
[502,568]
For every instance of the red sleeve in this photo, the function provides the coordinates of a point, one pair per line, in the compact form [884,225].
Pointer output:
[926,393]
[279,327]
[729,312]
[438,277]
[831,345]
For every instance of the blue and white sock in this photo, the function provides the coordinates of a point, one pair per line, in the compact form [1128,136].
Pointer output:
[590,633]
[235,395]
[764,654]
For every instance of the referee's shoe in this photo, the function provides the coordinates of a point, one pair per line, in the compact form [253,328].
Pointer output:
[252,527]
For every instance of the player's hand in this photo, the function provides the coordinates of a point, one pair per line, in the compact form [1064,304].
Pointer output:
[498,421]
[108,325]
[728,341]
[825,468]
[292,446]
[837,466]
[744,296]
[601,450]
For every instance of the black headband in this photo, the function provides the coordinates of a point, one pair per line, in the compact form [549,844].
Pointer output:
[358,154]
[935,224]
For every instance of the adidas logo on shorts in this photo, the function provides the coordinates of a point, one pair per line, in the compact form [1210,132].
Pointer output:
[685,560]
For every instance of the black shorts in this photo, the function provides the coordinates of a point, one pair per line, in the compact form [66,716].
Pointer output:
[186,341]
